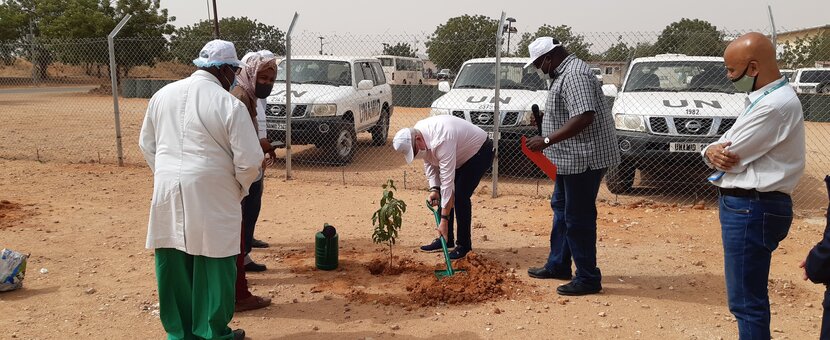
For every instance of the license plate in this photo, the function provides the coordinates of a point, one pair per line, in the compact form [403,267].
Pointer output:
[275,125]
[490,134]
[686,147]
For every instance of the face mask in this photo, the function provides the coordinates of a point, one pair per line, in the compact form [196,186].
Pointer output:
[542,74]
[233,83]
[262,91]
[420,154]
[745,83]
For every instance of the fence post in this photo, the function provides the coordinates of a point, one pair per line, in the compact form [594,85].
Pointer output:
[114,78]
[496,108]
[288,109]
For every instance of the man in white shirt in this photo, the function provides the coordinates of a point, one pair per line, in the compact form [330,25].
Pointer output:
[197,140]
[456,155]
[759,162]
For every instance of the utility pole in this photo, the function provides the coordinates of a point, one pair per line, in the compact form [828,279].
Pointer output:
[510,29]
[215,21]
[321,45]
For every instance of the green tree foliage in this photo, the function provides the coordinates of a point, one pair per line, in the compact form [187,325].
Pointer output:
[575,43]
[617,52]
[460,39]
[388,218]
[399,49]
[804,52]
[246,34]
[142,41]
[691,37]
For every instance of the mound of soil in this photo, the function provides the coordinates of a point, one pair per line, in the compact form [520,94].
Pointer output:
[10,213]
[483,280]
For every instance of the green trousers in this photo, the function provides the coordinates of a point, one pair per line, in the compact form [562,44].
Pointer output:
[196,294]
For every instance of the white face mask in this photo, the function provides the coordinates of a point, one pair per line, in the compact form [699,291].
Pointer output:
[420,154]
[542,74]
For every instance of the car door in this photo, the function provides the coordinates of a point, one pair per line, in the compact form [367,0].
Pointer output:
[368,110]
[383,90]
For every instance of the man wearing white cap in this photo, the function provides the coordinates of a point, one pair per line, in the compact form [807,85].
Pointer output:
[456,155]
[197,140]
[578,136]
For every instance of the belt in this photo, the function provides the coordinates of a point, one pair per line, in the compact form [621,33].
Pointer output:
[739,192]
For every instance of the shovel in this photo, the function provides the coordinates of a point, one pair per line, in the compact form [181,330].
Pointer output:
[440,274]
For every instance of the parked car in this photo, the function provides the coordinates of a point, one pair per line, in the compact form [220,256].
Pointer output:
[812,80]
[471,97]
[669,108]
[332,99]
[444,74]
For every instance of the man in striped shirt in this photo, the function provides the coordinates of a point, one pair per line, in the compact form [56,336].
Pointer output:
[578,136]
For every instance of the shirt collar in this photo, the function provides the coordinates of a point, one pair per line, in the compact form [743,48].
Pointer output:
[754,95]
[561,67]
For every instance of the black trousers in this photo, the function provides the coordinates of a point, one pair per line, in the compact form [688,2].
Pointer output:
[467,178]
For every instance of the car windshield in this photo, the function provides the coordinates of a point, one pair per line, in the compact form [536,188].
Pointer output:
[327,72]
[678,76]
[817,76]
[513,76]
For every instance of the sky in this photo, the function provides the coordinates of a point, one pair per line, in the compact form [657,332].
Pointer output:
[342,22]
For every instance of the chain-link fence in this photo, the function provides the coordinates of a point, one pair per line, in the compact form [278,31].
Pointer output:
[350,92]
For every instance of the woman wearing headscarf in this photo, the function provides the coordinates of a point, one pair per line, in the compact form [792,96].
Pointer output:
[255,82]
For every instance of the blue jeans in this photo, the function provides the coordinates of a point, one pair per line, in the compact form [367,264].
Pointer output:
[251,205]
[574,232]
[467,178]
[751,230]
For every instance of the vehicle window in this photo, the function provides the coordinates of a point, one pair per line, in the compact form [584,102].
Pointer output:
[513,76]
[380,77]
[816,76]
[609,70]
[387,62]
[363,71]
[679,76]
[328,72]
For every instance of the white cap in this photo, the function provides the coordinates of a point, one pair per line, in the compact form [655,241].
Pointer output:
[218,52]
[403,144]
[539,47]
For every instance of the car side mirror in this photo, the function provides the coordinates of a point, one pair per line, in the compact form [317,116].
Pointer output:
[444,86]
[610,90]
[365,84]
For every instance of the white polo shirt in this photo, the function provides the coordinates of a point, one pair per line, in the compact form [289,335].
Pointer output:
[769,139]
[451,142]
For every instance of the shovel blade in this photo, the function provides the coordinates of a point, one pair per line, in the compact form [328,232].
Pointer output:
[440,274]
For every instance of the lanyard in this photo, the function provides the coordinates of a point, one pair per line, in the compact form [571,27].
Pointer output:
[778,86]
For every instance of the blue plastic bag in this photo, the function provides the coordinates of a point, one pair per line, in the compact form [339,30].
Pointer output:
[12,270]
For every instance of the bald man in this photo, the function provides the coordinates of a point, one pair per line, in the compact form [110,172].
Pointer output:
[758,163]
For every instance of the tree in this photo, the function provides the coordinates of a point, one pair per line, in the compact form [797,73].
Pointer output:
[575,43]
[399,49]
[617,52]
[142,41]
[11,23]
[462,38]
[248,35]
[691,37]
[86,21]
[388,218]
[804,52]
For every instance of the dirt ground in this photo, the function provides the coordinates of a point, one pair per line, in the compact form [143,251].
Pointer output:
[89,275]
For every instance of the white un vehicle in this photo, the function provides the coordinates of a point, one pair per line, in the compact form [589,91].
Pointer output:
[472,97]
[669,108]
[332,99]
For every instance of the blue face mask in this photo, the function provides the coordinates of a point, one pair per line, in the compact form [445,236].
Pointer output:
[233,83]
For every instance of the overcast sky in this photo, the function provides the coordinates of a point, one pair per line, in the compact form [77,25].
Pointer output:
[419,18]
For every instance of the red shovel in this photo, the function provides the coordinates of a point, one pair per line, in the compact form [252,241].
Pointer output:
[538,158]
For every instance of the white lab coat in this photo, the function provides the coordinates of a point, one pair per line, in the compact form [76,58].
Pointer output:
[197,140]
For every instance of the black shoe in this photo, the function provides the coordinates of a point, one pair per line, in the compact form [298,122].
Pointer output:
[259,244]
[575,288]
[255,267]
[436,245]
[239,334]
[459,252]
[544,273]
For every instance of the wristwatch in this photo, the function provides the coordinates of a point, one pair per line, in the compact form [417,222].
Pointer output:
[547,141]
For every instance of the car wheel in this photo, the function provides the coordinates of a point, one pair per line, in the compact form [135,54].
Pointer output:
[620,179]
[341,149]
[380,132]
